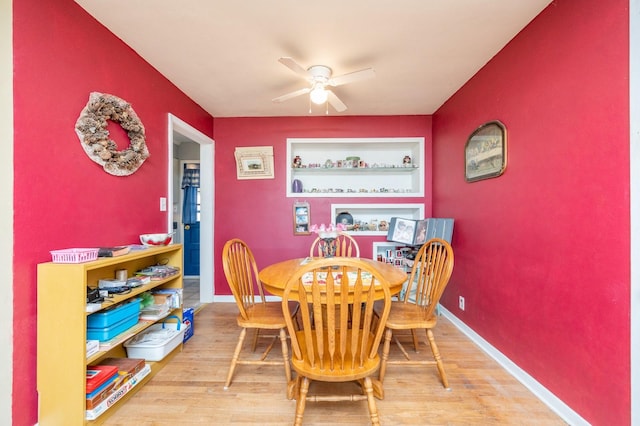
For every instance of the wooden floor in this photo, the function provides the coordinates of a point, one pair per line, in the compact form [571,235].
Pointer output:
[189,391]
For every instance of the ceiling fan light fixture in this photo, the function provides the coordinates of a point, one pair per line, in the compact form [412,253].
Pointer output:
[318,94]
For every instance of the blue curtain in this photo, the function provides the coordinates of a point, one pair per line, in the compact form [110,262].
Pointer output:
[190,185]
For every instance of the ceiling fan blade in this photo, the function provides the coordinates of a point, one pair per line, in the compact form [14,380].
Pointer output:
[291,95]
[294,66]
[335,102]
[351,77]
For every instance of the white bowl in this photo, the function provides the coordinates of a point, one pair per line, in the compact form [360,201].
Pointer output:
[151,240]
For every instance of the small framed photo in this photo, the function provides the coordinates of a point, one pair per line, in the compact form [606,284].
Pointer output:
[485,153]
[401,230]
[301,218]
[254,162]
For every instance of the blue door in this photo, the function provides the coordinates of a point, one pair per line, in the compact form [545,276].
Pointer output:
[192,249]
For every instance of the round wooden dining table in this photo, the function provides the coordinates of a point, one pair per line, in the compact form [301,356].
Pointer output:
[274,277]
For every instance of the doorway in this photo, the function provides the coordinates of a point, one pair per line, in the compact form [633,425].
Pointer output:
[178,132]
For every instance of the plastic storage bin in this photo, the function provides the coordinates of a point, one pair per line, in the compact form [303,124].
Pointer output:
[157,341]
[113,315]
[107,333]
[105,325]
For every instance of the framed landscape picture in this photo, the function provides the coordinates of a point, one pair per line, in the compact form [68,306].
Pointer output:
[255,162]
[485,153]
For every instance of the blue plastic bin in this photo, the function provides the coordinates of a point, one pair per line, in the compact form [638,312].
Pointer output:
[112,316]
[106,333]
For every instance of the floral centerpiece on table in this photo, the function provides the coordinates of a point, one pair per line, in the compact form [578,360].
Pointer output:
[328,234]
[329,231]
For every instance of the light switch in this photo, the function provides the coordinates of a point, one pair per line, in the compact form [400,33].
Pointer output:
[163,204]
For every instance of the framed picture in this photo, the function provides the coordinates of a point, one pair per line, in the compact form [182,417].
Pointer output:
[485,153]
[301,218]
[401,230]
[255,162]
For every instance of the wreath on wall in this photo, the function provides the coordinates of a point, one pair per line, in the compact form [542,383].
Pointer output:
[91,128]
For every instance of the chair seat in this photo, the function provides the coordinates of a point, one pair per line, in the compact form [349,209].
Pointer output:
[350,372]
[406,316]
[266,315]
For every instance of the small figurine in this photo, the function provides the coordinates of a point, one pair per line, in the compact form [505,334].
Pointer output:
[406,160]
[297,162]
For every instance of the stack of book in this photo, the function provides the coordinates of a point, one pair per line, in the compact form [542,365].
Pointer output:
[113,251]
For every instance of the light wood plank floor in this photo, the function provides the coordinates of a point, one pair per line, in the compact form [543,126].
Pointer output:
[189,390]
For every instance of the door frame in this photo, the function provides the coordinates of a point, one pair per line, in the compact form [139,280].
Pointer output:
[207,153]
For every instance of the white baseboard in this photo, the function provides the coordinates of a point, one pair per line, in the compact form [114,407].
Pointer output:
[542,393]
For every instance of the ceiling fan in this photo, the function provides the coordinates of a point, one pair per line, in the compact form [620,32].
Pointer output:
[319,77]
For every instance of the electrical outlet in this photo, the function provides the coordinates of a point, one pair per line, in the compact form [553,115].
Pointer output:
[461,303]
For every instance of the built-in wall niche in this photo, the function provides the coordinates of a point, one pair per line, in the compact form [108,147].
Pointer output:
[355,167]
[372,217]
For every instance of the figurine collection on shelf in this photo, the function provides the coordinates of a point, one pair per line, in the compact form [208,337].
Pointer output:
[350,163]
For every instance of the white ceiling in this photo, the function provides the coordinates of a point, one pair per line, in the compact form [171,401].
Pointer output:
[224,54]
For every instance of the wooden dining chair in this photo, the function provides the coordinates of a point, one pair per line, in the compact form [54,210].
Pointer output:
[330,345]
[416,309]
[255,313]
[346,246]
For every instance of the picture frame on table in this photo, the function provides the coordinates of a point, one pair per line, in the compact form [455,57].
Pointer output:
[401,230]
[485,153]
[301,218]
[415,232]
[255,162]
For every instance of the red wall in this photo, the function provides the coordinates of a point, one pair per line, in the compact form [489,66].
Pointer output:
[62,198]
[258,212]
[542,253]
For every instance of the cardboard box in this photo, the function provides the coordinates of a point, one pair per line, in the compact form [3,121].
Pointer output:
[187,320]
[125,365]
[161,299]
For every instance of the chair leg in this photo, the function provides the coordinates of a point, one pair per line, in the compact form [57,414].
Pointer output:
[255,340]
[371,402]
[285,354]
[302,400]
[234,358]
[436,355]
[414,334]
[385,355]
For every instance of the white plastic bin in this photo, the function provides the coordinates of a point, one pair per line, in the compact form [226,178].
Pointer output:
[157,341]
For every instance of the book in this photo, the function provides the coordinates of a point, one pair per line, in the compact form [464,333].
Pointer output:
[113,251]
[93,346]
[414,232]
[97,375]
